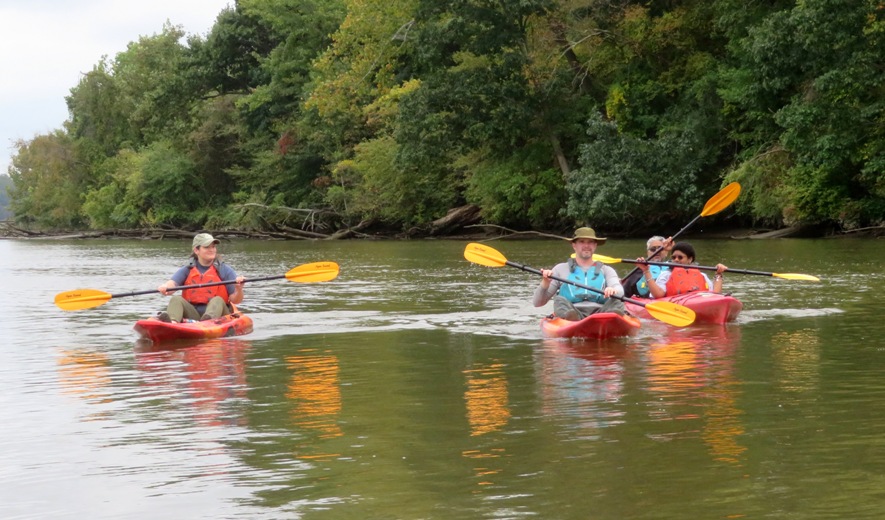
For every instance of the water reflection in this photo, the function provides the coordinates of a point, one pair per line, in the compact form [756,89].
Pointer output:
[797,359]
[314,389]
[583,380]
[209,378]
[486,399]
[84,373]
[691,377]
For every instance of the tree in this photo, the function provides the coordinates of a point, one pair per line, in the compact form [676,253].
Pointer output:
[818,109]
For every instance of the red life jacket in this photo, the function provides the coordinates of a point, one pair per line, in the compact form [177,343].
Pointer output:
[684,280]
[202,295]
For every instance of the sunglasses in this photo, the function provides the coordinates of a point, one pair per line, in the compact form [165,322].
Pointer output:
[678,257]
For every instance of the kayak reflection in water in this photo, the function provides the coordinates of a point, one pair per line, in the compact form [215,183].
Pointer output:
[205,303]
[680,280]
[575,303]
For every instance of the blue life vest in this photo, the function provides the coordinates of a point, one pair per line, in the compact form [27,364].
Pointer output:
[642,285]
[576,294]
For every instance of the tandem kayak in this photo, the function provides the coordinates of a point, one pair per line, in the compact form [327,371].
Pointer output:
[602,325]
[235,324]
[708,307]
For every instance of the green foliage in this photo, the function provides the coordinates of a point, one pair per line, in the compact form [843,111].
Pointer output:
[399,110]
[763,190]
[822,103]
[518,191]
[170,189]
[5,186]
[117,203]
[623,179]
[229,60]
[47,180]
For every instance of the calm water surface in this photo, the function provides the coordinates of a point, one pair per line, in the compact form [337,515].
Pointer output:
[417,386]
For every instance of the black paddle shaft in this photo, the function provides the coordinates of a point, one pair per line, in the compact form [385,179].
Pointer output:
[661,248]
[576,284]
[198,286]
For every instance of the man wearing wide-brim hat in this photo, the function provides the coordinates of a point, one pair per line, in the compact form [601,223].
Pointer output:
[575,303]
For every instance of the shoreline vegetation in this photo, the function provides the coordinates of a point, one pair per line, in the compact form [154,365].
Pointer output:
[472,231]
[412,118]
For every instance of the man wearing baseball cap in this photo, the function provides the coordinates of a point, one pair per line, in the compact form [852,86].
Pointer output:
[204,303]
[575,303]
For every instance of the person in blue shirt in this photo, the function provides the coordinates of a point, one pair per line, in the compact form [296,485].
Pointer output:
[638,281]
[205,303]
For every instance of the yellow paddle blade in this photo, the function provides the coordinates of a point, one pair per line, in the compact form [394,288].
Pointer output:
[671,313]
[81,299]
[607,259]
[315,272]
[484,255]
[795,276]
[721,200]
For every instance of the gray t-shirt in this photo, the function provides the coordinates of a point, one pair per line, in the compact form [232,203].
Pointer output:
[542,296]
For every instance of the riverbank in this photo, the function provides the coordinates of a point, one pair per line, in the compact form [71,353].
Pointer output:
[468,232]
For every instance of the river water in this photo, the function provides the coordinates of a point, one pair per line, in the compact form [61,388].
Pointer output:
[418,386]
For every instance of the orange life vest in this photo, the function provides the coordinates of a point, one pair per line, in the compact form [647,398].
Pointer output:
[684,280]
[202,295]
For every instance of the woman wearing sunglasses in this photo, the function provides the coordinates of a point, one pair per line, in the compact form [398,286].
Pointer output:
[681,280]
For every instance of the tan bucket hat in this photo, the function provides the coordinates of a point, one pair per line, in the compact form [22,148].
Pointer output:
[586,232]
[203,240]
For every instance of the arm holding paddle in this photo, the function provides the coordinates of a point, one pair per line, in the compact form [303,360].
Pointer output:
[170,286]
[667,312]
[654,290]
[575,302]
[80,299]
[551,285]
[714,205]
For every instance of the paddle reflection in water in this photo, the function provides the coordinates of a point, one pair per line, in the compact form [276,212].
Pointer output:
[486,398]
[487,401]
[584,379]
[691,377]
[209,377]
[84,373]
[314,389]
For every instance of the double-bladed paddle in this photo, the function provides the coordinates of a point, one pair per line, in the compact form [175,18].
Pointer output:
[714,205]
[88,298]
[786,276]
[667,312]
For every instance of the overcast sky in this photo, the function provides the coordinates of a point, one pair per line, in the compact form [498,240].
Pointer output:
[45,45]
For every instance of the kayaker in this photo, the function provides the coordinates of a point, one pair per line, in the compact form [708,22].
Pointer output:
[636,283]
[574,303]
[679,280]
[206,303]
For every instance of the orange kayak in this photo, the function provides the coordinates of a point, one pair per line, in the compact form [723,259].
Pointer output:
[235,324]
[602,325]
[708,307]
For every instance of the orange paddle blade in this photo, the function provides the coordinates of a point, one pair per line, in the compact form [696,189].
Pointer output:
[81,299]
[721,200]
[315,272]
[484,255]
[672,313]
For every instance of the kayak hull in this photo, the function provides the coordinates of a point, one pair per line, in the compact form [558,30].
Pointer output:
[602,325]
[708,307]
[158,331]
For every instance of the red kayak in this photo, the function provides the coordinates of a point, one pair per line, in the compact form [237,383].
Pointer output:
[602,325]
[235,324]
[708,307]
